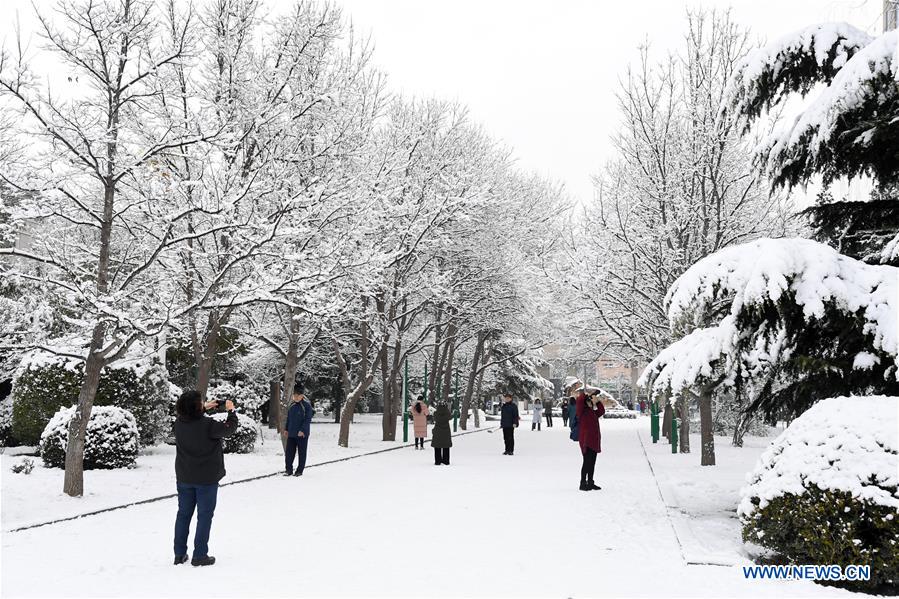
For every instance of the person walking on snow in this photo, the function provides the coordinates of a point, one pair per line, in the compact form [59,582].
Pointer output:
[199,466]
[564,405]
[296,430]
[419,411]
[441,436]
[548,410]
[589,411]
[538,415]
[508,421]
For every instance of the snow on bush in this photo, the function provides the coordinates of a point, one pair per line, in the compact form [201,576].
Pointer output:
[247,398]
[244,438]
[44,383]
[826,489]
[6,421]
[111,441]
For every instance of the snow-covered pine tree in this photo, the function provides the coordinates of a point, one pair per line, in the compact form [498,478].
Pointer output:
[848,130]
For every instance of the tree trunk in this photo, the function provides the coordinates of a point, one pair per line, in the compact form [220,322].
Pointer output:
[435,359]
[666,421]
[206,358]
[349,408]
[683,431]
[477,417]
[469,385]
[73,483]
[448,361]
[274,406]
[290,374]
[705,427]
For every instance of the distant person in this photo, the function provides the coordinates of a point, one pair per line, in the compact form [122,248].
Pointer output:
[548,411]
[564,405]
[420,413]
[508,421]
[589,410]
[199,466]
[297,429]
[642,406]
[441,436]
[537,411]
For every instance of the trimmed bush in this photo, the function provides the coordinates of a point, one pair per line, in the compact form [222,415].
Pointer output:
[44,384]
[111,440]
[244,438]
[248,398]
[825,492]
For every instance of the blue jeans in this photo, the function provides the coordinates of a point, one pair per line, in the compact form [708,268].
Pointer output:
[295,445]
[201,497]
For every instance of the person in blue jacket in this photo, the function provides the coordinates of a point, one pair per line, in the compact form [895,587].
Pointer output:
[296,429]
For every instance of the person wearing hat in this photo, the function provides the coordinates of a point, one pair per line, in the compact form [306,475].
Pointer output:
[296,429]
[589,410]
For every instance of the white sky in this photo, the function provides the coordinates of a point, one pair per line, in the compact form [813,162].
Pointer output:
[539,75]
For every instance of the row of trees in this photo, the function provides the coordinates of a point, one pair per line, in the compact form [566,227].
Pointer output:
[681,186]
[785,323]
[210,172]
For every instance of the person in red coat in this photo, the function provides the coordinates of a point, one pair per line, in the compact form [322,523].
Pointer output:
[589,410]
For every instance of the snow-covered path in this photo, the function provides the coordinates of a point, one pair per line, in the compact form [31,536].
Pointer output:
[396,525]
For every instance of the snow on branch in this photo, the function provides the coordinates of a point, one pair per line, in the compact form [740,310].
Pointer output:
[703,355]
[790,64]
[814,274]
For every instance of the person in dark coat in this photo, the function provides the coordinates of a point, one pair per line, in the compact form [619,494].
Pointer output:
[441,436]
[589,411]
[296,429]
[564,406]
[199,466]
[508,421]
[548,411]
[571,408]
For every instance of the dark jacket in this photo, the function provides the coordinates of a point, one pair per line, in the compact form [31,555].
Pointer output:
[509,415]
[441,436]
[198,448]
[588,425]
[572,422]
[299,418]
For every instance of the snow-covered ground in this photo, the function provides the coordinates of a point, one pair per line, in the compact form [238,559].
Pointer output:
[393,524]
[37,497]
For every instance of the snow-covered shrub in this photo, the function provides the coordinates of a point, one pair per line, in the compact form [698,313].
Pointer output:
[247,398]
[44,384]
[111,440]
[244,438]
[619,413]
[23,467]
[6,438]
[825,492]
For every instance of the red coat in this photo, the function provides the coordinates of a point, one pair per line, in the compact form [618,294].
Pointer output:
[588,425]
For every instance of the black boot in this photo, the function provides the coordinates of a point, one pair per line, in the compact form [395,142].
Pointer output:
[591,486]
[202,561]
[583,486]
[180,559]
